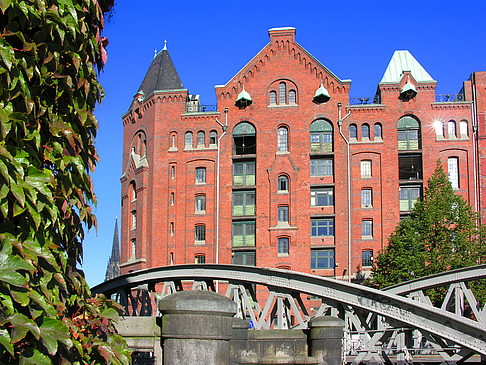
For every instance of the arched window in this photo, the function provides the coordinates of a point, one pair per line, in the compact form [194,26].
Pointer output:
[321,136]
[200,139]
[282,93]
[133,191]
[273,97]
[244,139]
[188,140]
[133,253]
[283,184]
[365,131]
[139,144]
[173,140]
[451,128]
[292,97]
[282,139]
[408,134]
[353,131]
[463,128]
[213,138]
[377,131]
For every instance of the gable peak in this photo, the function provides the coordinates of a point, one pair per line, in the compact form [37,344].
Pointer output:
[281,33]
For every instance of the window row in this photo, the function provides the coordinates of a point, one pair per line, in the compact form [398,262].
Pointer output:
[450,130]
[365,131]
[200,139]
[286,95]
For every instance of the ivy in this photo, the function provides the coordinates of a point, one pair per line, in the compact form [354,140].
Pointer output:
[50,52]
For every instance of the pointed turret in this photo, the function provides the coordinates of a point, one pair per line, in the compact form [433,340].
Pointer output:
[400,62]
[113,268]
[161,75]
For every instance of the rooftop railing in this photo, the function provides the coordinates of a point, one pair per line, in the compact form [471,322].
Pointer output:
[449,98]
[206,108]
[364,101]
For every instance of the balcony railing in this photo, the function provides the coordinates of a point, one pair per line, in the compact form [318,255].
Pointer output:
[449,98]
[195,108]
[364,101]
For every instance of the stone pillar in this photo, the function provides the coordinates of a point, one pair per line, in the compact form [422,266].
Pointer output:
[196,328]
[326,340]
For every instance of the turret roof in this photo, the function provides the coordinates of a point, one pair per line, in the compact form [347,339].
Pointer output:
[161,75]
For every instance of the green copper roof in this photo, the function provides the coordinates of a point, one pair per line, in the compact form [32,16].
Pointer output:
[404,61]
[243,99]
[322,95]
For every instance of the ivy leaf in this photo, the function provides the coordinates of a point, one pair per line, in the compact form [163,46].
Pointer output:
[21,325]
[32,356]
[110,313]
[5,340]
[9,265]
[53,330]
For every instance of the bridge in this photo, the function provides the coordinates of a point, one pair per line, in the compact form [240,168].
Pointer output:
[399,324]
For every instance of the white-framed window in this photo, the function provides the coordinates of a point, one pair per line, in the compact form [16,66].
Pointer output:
[283,184]
[283,246]
[453,171]
[283,214]
[463,128]
[200,175]
[283,139]
[188,140]
[200,234]
[366,198]
[367,258]
[321,167]
[134,219]
[367,229]
[451,128]
[322,197]
[201,137]
[273,98]
[365,167]
[292,97]
[200,206]
[282,93]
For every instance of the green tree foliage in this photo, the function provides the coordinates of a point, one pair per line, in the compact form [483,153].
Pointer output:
[49,51]
[441,233]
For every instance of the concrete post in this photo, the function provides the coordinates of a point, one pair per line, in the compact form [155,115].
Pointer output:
[326,340]
[196,328]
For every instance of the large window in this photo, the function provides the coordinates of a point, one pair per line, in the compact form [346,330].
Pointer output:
[322,197]
[200,234]
[367,229]
[244,139]
[283,246]
[365,167]
[244,173]
[408,134]
[283,214]
[453,171]
[322,258]
[409,195]
[200,204]
[322,227]
[321,137]
[321,167]
[282,139]
[283,184]
[243,233]
[282,93]
[243,203]
[410,166]
[188,140]
[246,258]
[366,198]
[367,258]
[200,175]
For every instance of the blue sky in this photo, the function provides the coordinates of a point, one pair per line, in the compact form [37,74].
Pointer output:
[210,41]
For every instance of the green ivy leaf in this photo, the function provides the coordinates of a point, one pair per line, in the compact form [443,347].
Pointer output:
[21,325]
[53,330]
[110,313]
[32,356]
[5,341]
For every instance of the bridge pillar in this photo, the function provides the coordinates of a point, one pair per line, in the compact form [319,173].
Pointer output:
[196,328]
[326,340]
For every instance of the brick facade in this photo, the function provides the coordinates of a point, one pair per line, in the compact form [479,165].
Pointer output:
[296,201]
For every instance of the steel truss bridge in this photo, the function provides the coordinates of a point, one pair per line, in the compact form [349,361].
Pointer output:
[399,324]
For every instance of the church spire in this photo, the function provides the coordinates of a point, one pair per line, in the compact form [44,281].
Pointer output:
[113,268]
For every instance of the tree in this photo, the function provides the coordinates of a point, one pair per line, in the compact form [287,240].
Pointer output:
[442,233]
[48,54]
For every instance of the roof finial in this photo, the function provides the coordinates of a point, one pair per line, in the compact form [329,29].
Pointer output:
[165,45]
[155,52]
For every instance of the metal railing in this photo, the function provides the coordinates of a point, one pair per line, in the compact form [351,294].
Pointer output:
[449,98]
[201,108]
[364,101]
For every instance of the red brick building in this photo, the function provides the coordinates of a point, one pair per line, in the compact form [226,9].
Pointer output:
[287,171]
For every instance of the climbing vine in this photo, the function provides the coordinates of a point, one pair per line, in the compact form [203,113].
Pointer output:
[50,52]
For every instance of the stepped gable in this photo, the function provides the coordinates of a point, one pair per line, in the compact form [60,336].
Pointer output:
[282,44]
